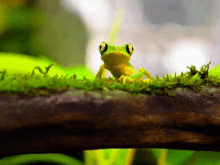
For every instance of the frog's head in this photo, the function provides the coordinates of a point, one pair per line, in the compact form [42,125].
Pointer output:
[114,55]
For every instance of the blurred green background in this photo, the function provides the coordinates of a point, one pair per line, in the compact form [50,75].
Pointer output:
[32,34]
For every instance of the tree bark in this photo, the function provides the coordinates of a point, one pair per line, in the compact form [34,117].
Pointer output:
[85,120]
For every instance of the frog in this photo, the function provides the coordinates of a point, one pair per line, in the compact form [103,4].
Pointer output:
[116,60]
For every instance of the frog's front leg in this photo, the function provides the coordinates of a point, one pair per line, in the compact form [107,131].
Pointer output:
[101,72]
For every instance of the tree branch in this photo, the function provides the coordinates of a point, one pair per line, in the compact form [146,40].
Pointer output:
[84,120]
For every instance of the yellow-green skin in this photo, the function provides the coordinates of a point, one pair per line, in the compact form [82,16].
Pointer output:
[116,60]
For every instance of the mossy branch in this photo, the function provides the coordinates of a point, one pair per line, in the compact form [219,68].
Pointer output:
[84,120]
[101,115]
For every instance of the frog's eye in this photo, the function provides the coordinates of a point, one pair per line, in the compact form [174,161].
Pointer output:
[103,47]
[130,49]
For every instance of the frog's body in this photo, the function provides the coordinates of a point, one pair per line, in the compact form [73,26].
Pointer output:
[122,69]
[116,60]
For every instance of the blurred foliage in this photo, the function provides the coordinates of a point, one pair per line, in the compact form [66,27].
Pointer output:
[22,37]
[20,24]
[34,27]
[63,35]
[37,158]
[24,64]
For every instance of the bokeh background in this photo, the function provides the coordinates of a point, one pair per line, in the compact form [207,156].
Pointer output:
[168,35]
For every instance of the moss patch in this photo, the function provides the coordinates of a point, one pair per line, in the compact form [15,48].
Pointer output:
[31,84]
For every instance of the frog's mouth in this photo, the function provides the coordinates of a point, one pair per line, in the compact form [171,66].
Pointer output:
[115,58]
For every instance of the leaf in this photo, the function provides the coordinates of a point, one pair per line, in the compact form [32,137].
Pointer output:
[33,158]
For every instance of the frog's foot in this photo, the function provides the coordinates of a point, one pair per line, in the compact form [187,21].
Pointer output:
[147,80]
[125,79]
[113,79]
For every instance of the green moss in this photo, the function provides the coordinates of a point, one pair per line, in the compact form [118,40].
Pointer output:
[31,84]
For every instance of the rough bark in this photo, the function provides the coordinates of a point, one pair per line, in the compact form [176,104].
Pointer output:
[84,120]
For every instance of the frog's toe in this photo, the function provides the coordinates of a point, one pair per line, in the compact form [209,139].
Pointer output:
[147,80]
[113,78]
[125,79]
[121,77]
